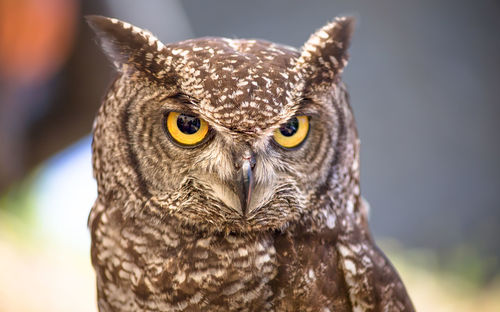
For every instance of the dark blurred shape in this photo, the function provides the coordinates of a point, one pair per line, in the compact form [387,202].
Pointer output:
[35,37]
[43,104]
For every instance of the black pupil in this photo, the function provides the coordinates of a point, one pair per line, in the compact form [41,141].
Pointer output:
[188,124]
[290,128]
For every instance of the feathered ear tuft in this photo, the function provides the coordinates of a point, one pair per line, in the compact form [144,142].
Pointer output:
[324,55]
[127,45]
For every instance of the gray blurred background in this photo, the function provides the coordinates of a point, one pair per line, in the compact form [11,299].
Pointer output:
[424,79]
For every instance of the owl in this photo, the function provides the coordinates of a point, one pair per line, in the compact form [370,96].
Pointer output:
[228,179]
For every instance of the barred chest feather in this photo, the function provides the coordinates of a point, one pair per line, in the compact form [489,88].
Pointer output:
[169,268]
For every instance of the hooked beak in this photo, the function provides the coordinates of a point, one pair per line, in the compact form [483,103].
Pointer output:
[246,182]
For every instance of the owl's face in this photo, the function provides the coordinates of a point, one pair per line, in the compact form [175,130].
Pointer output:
[224,135]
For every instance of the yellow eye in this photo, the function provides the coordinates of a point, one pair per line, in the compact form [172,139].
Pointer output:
[293,132]
[186,130]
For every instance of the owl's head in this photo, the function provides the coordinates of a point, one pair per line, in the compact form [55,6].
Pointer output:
[225,135]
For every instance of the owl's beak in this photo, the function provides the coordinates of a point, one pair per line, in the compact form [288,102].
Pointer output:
[246,183]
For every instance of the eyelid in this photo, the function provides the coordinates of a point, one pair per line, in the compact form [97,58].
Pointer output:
[185,99]
[308,107]
[307,112]
[180,103]
[310,112]
[180,110]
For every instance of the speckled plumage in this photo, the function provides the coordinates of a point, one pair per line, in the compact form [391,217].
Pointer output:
[168,231]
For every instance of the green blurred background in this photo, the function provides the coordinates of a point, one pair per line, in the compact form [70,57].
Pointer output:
[423,78]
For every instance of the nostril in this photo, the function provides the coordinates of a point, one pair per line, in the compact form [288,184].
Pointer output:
[247,158]
[250,159]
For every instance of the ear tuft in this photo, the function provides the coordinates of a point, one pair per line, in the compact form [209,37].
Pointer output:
[324,55]
[125,44]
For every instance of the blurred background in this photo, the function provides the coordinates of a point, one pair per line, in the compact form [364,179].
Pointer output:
[424,83]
